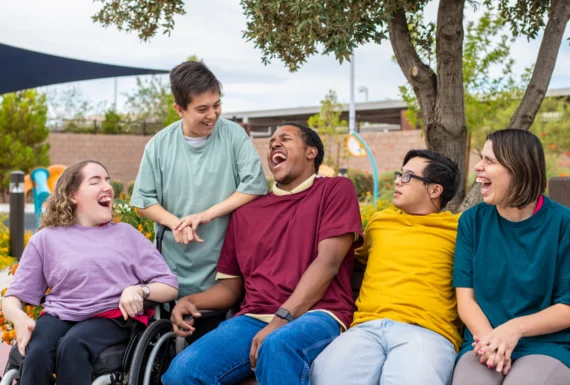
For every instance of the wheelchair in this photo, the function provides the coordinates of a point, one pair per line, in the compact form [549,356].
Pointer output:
[141,360]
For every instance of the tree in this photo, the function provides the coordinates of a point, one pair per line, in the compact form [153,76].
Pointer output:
[330,128]
[148,102]
[294,30]
[23,134]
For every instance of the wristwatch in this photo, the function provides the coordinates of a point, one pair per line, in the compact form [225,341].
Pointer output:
[284,314]
[146,291]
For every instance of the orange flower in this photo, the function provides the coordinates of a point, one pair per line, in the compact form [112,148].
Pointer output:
[567,153]
[117,219]
[564,174]
[544,133]
[140,228]
[3,292]
[13,269]
[147,235]
[553,147]
[135,210]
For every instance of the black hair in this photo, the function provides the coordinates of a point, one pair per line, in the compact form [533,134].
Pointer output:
[311,139]
[441,170]
[192,78]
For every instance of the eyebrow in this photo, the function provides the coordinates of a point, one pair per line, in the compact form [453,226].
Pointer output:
[99,178]
[205,105]
[282,136]
[408,171]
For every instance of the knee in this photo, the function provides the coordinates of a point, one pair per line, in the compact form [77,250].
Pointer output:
[277,343]
[37,356]
[183,369]
[69,345]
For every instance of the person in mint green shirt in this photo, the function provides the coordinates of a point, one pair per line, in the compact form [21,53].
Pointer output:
[512,271]
[193,174]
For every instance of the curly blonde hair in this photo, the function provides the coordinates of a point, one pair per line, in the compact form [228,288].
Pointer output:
[60,210]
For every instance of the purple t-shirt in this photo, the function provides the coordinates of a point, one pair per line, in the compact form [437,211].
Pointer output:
[86,268]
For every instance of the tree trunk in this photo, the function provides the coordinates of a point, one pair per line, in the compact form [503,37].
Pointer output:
[447,133]
[536,90]
[545,62]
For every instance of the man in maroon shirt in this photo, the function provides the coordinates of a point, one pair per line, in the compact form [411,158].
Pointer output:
[291,251]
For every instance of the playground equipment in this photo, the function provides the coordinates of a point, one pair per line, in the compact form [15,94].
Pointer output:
[42,183]
[358,147]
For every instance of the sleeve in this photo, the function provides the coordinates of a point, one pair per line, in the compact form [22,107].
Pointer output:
[151,266]
[148,184]
[228,264]
[464,253]
[562,283]
[29,284]
[341,214]
[361,254]
[250,173]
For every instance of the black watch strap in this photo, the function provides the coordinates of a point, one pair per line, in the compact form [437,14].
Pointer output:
[284,314]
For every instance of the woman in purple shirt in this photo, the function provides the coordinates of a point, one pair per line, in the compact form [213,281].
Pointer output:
[99,274]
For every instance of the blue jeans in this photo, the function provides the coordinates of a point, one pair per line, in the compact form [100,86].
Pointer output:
[221,357]
[385,352]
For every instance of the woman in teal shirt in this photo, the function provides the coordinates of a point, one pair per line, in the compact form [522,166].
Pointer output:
[512,271]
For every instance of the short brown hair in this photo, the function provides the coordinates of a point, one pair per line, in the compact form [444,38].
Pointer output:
[60,210]
[192,78]
[521,153]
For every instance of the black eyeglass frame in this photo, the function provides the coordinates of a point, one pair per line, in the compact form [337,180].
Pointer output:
[407,177]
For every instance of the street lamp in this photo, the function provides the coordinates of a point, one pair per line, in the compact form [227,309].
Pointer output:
[364,90]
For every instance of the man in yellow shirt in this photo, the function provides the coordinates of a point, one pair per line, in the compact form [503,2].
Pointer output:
[406,330]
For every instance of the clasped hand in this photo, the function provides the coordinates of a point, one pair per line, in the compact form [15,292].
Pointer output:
[495,349]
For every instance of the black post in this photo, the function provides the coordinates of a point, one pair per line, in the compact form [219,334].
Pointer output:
[559,190]
[17,199]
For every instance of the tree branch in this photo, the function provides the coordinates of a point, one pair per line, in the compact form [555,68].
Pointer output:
[418,74]
[545,62]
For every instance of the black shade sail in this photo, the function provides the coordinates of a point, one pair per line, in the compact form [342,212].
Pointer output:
[21,69]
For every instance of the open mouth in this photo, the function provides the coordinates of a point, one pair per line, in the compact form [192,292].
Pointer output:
[208,124]
[278,159]
[105,202]
[485,184]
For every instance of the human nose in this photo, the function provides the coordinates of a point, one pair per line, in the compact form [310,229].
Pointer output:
[479,166]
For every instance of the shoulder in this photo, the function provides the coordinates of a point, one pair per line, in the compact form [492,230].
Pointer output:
[337,184]
[165,135]
[231,130]
[560,211]
[478,212]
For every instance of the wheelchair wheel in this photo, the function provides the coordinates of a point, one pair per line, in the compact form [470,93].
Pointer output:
[150,338]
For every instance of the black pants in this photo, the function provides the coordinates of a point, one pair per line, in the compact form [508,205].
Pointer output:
[68,349]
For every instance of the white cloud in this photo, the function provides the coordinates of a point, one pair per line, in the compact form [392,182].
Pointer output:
[213,30]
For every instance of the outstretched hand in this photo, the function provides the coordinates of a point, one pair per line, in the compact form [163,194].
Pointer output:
[185,231]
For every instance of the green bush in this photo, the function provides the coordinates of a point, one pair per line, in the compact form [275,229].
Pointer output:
[130,187]
[364,184]
[118,187]
[112,123]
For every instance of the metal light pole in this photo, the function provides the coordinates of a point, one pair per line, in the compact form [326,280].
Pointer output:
[352,132]
[17,214]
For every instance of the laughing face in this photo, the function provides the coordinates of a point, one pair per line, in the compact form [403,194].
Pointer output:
[495,178]
[94,197]
[290,159]
[201,114]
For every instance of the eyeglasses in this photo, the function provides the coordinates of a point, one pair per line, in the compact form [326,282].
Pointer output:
[406,177]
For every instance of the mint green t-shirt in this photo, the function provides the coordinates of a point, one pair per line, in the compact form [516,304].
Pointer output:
[187,180]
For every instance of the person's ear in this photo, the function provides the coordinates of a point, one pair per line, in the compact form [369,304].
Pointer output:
[435,190]
[179,110]
[72,199]
[312,153]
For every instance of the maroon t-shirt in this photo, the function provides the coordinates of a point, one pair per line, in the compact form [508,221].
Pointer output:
[271,242]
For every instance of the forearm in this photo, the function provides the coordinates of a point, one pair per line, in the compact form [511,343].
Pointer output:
[158,214]
[12,309]
[550,320]
[219,296]
[230,204]
[311,288]
[473,317]
[161,292]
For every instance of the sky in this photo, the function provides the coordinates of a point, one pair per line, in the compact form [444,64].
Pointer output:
[213,30]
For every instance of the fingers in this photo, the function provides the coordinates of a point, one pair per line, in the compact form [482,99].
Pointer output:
[183,223]
[182,318]
[253,354]
[507,368]
[123,311]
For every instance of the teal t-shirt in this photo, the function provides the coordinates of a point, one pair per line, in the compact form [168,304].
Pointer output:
[187,180]
[516,269]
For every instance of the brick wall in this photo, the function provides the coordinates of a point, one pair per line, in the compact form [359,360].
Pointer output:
[122,154]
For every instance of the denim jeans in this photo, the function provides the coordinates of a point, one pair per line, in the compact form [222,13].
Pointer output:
[222,356]
[385,352]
